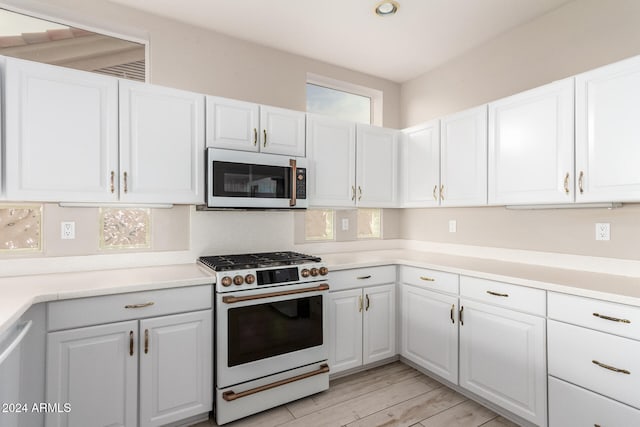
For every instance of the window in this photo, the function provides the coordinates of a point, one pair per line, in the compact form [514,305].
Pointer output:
[36,39]
[338,104]
[343,100]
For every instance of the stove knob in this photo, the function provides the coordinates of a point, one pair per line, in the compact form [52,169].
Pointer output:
[226,281]
[324,271]
[238,280]
[305,272]
[249,279]
[314,272]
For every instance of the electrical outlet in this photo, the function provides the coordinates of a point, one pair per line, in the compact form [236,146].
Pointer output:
[603,231]
[345,224]
[67,230]
[453,226]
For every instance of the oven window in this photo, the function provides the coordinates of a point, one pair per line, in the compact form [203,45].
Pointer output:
[265,330]
[248,180]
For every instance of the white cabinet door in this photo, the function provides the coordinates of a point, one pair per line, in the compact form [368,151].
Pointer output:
[421,165]
[607,133]
[430,331]
[161,145]
[502,359]
[282,131]
[95,369]
[61,134]
[379,330]
[376,166]
[331,157]
[345,330]
[531,146]
[463,164]
[176,367]
[232,124]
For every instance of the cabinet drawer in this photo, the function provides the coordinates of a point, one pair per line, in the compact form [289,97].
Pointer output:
[432,279]
[604,316]
[113,308]
[361,277]
[572,406]
[588,358]
[504,294]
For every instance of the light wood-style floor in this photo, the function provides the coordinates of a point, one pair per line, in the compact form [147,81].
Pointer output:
[390,395]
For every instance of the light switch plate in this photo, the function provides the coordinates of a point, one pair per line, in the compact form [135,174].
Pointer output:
[453,226]
[345,224]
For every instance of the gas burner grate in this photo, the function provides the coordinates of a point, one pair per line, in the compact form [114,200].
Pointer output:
[259,260]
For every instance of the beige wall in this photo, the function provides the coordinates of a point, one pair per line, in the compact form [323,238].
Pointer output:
[200,60]
[570,231]
[581,35]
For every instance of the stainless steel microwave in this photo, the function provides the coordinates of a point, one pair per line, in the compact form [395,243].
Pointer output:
[240,179]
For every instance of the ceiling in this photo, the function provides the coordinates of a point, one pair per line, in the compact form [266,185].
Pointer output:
[421,36]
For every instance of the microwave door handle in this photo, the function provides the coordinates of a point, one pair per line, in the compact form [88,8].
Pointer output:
[294,175]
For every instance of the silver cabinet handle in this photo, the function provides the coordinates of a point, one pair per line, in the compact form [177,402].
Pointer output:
[359,193]
[497,294]
[143,305]
[255,137]
[427,279]
[264,131]
[613,319]
[611,368]
[581,182]
[130,343]
[453,307]
[460,319]
[566,183]
[353,193]
[363,277]
[366,308]
[435,188]
[442,192]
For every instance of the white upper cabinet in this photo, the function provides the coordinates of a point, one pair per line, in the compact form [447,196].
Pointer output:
[239,125]
[351,165]
[232,124]
[161,144]
[61,134]
[376,166]
[531,146]
[331,155]
[421,165]
[463,158]
[608,133]
[282,131]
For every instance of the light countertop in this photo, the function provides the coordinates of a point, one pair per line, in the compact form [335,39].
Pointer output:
[20,293]
[622,289]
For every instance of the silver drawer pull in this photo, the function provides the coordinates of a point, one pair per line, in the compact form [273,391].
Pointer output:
[498,294]
[427,279]
[611,368]
[146,304]
[364,277]
[613,319]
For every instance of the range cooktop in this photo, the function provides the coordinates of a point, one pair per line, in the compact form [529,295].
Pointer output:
[258,260]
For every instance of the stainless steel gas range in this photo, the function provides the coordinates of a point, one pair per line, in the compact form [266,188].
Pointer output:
[271,330]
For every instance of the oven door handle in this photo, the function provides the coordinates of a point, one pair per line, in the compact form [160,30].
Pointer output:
[230,395]
[232,299]
[294,176]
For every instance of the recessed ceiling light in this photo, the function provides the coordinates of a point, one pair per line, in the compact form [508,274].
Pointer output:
[387,8]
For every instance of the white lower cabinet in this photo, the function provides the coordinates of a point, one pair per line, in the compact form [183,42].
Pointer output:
[148,371]
[430,330]
[502,358]
[362,326]
[596,351]
[573,406]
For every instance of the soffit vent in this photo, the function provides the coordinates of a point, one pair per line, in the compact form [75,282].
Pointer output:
[132,71]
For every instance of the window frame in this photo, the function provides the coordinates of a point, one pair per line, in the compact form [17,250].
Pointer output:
[373,94]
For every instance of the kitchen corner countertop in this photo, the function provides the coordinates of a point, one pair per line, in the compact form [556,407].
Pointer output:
[21,292]
[621,289]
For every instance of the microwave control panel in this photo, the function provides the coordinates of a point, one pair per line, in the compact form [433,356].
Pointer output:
[301,183]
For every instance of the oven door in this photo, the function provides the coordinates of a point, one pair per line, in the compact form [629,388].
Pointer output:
[241,179]
[266,331]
